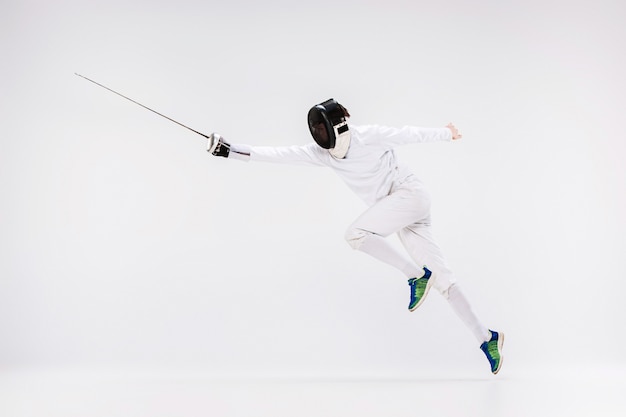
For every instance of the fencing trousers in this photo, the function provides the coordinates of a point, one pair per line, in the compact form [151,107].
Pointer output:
[406,212]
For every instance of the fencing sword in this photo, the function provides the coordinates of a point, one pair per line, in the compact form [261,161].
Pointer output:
[147,108]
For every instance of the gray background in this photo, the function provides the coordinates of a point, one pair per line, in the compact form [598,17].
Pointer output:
[124,245]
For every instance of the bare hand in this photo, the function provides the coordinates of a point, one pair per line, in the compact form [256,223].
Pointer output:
[455,132]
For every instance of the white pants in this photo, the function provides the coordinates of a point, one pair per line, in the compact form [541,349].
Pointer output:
[406,211]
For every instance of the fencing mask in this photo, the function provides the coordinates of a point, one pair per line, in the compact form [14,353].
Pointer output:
[329,127]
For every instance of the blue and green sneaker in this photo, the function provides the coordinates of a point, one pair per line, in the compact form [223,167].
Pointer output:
[493,350]
[419,289]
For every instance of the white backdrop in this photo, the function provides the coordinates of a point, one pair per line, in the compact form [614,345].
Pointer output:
[124,245]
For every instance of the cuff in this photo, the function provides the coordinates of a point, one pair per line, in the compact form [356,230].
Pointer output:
[241,152]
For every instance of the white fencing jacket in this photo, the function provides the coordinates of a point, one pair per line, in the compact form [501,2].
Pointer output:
[370,167]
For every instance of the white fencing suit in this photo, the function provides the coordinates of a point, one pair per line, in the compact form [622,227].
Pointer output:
[397,200]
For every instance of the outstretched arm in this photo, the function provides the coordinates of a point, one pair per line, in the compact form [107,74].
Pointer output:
[413,134]
[301,155]
[390,137]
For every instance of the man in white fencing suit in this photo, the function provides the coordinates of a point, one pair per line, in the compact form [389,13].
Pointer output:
[364,158]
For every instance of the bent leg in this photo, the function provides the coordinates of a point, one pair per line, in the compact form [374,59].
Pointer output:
[367,234]
[379,248]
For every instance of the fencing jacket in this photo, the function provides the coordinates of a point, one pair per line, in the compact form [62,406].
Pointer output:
[369,168]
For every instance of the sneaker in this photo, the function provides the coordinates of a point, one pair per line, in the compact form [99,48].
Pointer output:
[419,289]
[493,350]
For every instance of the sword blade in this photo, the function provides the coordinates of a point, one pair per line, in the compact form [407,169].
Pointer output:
[145,107]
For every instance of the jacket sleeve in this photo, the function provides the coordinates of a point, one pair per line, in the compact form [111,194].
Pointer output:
[309,154]
[390,137]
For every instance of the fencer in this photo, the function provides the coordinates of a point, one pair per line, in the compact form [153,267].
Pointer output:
[364,158]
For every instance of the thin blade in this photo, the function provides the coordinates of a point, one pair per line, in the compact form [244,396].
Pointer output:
[147,108]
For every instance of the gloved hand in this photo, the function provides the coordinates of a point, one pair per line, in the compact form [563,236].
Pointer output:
[218,146]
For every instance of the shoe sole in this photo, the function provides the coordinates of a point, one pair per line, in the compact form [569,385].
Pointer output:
[428,285]
[500,344]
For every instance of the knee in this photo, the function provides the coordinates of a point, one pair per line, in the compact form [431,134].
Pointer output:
[355,237]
